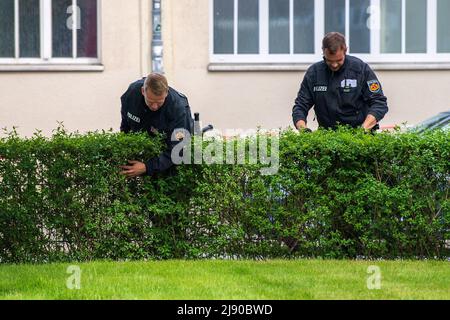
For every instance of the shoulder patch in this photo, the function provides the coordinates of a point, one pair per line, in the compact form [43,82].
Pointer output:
[374,86]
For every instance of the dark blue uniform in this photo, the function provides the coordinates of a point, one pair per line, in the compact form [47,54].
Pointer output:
[174,114]
[346,96]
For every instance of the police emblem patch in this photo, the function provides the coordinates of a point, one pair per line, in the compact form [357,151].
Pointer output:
[374,86]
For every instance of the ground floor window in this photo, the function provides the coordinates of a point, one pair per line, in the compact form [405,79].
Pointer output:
[49,31]
[292,30]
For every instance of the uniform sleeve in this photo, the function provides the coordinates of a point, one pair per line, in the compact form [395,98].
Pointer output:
[374,96]
[124,126]
[304,101]
[164,160]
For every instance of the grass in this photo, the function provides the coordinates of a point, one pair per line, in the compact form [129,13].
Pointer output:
[223,280]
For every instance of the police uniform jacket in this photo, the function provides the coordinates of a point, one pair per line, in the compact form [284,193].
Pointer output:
[346,96]
[174,114]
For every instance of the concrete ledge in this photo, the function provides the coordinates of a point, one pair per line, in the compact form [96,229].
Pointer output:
[51,68]
[232,67]
[410,66]
[238,67]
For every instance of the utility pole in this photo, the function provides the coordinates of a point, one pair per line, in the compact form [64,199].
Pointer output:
[157,43]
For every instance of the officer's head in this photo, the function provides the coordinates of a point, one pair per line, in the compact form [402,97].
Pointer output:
[155,91]
[334,50]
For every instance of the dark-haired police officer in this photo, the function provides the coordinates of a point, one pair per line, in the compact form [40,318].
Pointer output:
[151,105]
[343,90]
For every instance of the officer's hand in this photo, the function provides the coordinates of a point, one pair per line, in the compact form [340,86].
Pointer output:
[304,130]
[135,169]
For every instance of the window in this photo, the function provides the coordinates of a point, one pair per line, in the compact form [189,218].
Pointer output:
[291,31]
[408,36]
[49,31]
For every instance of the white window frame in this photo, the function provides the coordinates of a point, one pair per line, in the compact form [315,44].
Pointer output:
[46,39]
[319,30]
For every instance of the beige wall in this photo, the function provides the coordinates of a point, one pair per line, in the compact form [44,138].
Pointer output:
[90,100]
[83,100]
[248,99]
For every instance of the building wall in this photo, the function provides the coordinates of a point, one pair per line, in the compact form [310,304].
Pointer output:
[83,100]
[250,99]
[90,100]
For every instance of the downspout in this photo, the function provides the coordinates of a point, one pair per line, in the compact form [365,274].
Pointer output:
[157,43]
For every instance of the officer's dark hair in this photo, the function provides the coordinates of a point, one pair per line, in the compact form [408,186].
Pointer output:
[334,41]
[156,83]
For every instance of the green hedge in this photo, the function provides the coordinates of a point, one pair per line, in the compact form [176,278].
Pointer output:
[342,194]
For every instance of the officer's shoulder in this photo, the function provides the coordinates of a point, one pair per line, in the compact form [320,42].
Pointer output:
[133,89]
[356,64]
[314,70]
[137,85]
[178,97]
[178,94]
[181,95]
[317,67]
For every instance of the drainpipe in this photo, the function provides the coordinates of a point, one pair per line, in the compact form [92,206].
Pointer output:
[157,43]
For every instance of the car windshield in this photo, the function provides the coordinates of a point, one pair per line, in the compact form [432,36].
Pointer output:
[439,121]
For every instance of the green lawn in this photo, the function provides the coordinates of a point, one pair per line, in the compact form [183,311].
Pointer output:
[221,280]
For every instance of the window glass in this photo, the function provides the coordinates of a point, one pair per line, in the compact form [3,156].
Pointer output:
[304,26]
[279,37]
[443,26]
[223,26]
[87,34]
[29,26]
[248,26]
[416,26]
[62,28]
[359,38]
[7,46]
[335,16]
[391,26]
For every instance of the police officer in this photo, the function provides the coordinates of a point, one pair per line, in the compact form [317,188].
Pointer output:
[151,105]
[343,89]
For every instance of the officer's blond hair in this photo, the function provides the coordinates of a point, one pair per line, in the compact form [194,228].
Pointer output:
[156,83]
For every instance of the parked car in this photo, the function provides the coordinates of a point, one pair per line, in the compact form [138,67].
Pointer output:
[439,121]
